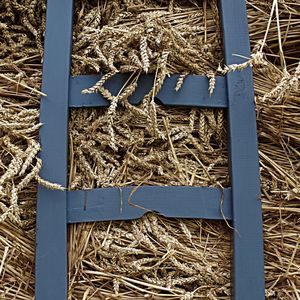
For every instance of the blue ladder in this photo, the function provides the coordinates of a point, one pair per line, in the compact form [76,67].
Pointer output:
[241,205]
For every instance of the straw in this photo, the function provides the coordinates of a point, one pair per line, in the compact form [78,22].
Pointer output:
[155,256]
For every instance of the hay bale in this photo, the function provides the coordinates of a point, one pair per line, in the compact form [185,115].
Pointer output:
[158,256]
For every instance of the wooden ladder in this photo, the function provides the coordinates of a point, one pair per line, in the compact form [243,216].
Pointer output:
[241,205]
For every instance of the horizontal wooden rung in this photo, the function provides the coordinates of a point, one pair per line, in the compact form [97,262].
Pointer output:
[129,203]
[194,91]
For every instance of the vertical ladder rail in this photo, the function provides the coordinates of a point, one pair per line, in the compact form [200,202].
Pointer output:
[248,260]
[51,229]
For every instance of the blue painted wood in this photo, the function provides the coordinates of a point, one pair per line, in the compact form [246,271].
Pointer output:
[248,266]
[51,226]
[194,92]
[170,201]
[236,93]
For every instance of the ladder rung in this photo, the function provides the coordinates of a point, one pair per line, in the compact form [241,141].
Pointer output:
[194,91]
[107,204]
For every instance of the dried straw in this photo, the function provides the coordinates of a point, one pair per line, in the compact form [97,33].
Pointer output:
[153,257]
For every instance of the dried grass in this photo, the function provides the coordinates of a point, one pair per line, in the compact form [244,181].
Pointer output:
[187,151]
[154,256]
[132,36]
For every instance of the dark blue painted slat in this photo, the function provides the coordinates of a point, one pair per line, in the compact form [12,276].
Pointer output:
[248,235]
[51,226]
[170,201]
[194,92]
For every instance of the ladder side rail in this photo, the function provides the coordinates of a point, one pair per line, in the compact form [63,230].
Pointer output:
[248,260]
[51,227]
